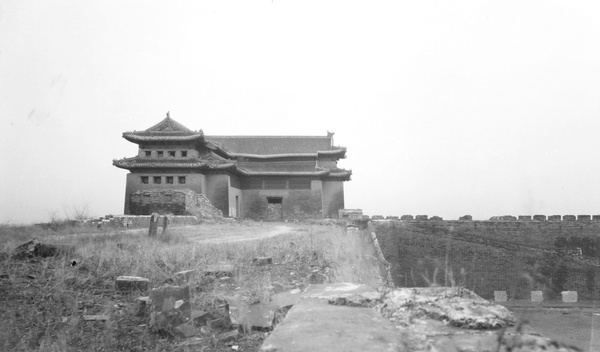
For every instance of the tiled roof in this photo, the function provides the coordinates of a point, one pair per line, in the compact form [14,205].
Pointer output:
[169,125]
[246,169]
[135,163]
[278,166]
[245,155]
[340,153]
[166,130]
[137,137]
[290,169]
[261,145]
[283,173]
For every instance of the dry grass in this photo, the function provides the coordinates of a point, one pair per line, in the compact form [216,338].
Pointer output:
[44,298]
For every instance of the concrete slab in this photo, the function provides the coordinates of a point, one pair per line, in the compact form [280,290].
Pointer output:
[500,296]
[314,325]
[537,296]
[131,283]
[569,296]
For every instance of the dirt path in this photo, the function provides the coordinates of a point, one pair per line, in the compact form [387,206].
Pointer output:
[215,233]
[257,234]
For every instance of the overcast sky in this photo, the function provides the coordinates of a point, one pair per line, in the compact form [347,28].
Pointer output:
[446,107]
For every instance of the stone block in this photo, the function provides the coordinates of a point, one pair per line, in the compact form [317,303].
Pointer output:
[131,283]
[153,228]
[185,277]
[500,296]
[34,248]
[377,217]
[186,330]
[170,307]
[466,218]
[569,218]
[584,218]
[258,315]
[142,306]
[421,217]
[407,217]
[392,217]
[259,261]
[200,317]
[537,296]
[219,270]
[539,217]
[436,218]
[595,217]
[554,218]
[569,296]
[525,217]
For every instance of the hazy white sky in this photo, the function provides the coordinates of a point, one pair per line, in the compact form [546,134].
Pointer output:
[447,107]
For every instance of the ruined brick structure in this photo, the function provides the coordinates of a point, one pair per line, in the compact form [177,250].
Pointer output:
[259,177]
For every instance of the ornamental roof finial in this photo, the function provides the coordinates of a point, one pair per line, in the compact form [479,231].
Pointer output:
[168,115]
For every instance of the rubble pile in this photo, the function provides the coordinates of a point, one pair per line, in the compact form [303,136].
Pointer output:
[202,208]
[456,319]
[461,309]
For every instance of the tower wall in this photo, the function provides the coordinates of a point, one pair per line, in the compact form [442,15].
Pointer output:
[193,182]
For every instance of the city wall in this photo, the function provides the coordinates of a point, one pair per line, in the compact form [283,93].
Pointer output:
[504,254]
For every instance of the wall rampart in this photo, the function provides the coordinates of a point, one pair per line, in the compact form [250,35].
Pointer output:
[495,255]
[502,218]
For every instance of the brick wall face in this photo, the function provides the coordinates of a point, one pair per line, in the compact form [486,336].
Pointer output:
[134,184]
[157,201]
[485,256]
[295,204]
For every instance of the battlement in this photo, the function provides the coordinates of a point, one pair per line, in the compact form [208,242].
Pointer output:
[528,218]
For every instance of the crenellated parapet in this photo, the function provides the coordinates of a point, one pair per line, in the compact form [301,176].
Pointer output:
[502,218]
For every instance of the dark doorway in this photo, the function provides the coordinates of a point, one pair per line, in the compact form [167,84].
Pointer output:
[238,212]
[274,208]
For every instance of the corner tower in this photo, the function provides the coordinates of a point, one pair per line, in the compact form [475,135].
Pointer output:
[260,177]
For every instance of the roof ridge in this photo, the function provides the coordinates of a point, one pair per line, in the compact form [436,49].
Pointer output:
[263,136]
[168,125]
